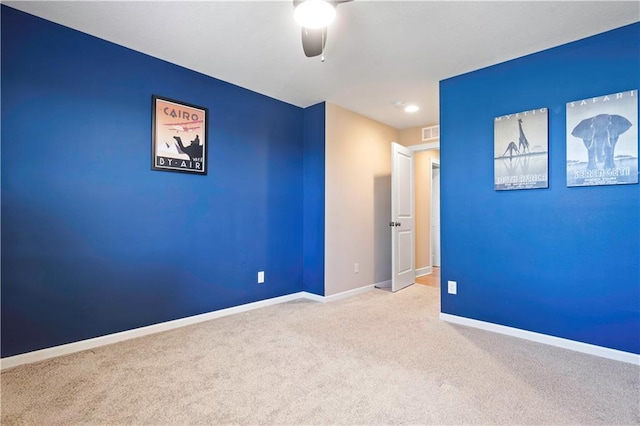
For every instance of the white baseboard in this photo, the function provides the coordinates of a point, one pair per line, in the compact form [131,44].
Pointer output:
[312,296]
[349,293]
[573,345]
[341,295]
[56,351]
[424,271]
[82,345]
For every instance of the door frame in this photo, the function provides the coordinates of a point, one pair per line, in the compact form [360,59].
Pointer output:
[418,148]
[434,164]
[424,146]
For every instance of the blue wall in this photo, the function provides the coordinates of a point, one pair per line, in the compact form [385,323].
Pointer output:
[93,241]
[313,236]
[559,261]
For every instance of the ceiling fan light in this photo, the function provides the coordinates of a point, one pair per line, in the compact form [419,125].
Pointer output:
[411,108]
[314,14]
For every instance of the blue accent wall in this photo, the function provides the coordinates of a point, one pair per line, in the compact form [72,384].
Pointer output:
[314,167]
[93,241]
[559,261]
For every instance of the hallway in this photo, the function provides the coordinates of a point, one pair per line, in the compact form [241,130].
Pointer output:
[433,279]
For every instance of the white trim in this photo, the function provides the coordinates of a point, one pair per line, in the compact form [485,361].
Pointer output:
[424,271]
[434,164]
[108,339]
[344,294]
[546,339]
[313,297]
[349,293]
[424,146]
[83,345]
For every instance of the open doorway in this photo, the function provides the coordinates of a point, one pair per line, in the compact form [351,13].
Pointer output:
[435,213]
[427,189]
[411,242]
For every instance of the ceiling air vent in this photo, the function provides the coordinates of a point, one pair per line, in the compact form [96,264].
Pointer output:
[431,133]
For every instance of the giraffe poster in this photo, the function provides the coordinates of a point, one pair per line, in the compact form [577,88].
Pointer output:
[521,148]
[179,137]
[602,140]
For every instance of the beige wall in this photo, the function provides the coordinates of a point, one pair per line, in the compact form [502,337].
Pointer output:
[357,200]
[411,136]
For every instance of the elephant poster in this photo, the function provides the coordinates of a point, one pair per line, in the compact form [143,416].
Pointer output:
[602,140]
[521,145]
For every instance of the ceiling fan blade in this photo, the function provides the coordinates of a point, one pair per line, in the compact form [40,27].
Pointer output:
[313,41]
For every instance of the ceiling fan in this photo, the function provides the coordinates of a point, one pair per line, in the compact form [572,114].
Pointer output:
[315,17]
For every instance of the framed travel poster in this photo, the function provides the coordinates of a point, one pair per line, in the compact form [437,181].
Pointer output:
[179,136]
[521,150]
[602,140]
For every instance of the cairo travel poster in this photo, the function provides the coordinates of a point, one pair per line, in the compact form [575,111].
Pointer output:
[179,136]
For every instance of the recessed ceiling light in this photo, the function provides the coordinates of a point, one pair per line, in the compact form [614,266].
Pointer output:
[314,14]
[411,108]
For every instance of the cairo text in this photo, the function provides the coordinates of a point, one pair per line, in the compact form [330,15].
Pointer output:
[181,114]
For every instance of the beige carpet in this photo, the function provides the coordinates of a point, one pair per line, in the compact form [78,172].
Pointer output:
[376,358]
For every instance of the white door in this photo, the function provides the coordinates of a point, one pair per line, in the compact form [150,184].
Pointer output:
[402,217]
[435,215]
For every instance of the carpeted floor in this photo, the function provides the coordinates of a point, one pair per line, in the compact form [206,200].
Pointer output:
[376,358]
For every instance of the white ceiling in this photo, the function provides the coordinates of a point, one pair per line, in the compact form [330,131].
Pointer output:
[377,53]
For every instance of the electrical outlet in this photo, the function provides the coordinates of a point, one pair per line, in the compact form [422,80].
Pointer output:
[260,277]
[452,287]
[356,268]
